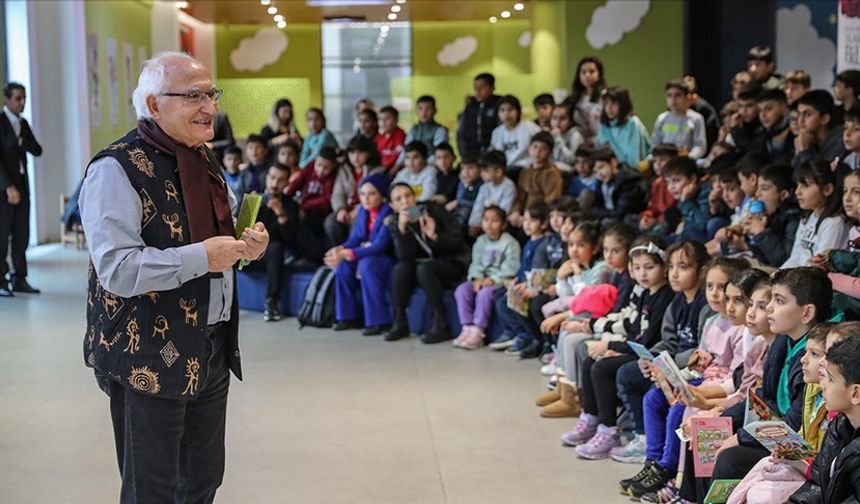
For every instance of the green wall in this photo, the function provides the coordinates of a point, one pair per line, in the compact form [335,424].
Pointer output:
[297,74]
[642,61]
[126,21]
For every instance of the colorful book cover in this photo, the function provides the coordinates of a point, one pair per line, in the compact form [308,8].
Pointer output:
[540,279]
[669,378]
[757,410]
[782,442]
[721,490]
[517,303]
[709,434]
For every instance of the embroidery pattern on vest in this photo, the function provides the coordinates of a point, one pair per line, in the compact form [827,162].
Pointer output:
[170,191]
[112,303]
[144,379]
[192,369]
[153,296]
[142,162]
[161,326]
[190,314]
[169,353]
[149,209]
[175,229]
[133,332]
[117,146]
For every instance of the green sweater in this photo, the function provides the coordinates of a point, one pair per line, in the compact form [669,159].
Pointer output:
[497,260]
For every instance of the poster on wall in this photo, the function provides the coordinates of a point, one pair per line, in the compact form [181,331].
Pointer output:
[113,82]
[128,60]
[848,36]
[93,79]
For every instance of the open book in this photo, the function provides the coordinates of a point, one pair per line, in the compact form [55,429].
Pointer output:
[782,442]
[669,378]
[757,410]
[537,281]
[721,490]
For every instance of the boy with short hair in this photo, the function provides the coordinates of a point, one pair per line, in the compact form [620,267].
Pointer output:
[447,179]
[618,191]
[467,190]
[315,186]
[851,137]
[748,134]
[817,138]
[680,126]
[797,83]
[654,217]
[479,118]
[426,130]
[419,175]
[583,185]
[232,171]
[682,182]
[540,182]
[770,227]
[390,140]
[774,118]
[257,152]
[496,190]
[835,474]
[543,104]
[847,88]
[761,67]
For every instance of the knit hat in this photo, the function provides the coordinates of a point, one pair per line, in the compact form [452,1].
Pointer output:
[378,180]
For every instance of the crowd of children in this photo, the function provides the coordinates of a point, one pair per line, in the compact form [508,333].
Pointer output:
[724,245]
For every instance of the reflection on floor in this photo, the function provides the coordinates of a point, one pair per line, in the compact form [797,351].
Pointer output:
[320,418]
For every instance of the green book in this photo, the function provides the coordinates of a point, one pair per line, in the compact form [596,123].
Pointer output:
[720,491]
[247,216]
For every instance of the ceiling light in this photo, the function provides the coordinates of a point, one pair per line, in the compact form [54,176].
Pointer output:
[395,8]
[506,14]
[493,19]
[181,5]
[278,18]
[519,6]
[384,28]
[392,16]
[282,24]
[265,2]
[344,3]
[272,10]
[401,1]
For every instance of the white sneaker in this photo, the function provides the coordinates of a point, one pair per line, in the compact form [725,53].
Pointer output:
[548,369]
[631,453]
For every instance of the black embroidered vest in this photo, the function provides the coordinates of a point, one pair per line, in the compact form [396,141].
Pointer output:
[154,343]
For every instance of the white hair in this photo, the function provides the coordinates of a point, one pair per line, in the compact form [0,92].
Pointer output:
[152,80]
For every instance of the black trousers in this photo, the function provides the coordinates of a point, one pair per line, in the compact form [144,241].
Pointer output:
[536,316]
[172,450]
[14,223]
[273,264]
[433,275]
[598,395]
[336,232]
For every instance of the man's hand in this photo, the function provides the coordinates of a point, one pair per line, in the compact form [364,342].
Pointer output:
[428,227]
[223,252]
[257,239]
[12,195]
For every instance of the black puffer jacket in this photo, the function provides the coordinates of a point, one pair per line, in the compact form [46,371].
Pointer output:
[842,485]
[477,123]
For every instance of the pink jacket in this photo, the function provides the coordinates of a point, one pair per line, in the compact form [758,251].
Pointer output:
[767,483]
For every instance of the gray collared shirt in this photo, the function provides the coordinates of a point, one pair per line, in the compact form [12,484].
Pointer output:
[111,213]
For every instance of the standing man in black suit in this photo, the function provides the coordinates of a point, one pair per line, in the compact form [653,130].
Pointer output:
[16,140]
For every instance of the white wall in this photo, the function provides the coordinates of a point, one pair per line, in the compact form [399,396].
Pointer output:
[165,27]
[204,40]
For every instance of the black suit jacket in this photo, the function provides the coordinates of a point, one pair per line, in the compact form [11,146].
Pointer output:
[12,154]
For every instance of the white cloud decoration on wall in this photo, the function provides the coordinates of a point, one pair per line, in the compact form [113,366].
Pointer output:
[525,39]
[458,51]
[798,45]
[610,22]
[263,49]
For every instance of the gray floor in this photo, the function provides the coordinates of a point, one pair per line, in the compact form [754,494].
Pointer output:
[320,417]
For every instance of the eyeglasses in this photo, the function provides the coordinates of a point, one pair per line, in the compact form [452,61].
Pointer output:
[196,97]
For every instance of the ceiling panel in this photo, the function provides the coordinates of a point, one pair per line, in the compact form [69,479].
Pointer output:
[298,11]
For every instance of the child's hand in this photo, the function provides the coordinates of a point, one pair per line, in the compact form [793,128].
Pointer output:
[515,219]
[574,326]
[487,282]
[597,349]
[645,367]
[801,466]
[721,235]
[689,190]
[821,260]
[551,291]
[728,443]
[699,400]
[451,205]
[476,285]
[551,325]
[755,224]
[521,289]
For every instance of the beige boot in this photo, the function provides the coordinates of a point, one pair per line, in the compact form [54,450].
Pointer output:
[567,405]
[548,398]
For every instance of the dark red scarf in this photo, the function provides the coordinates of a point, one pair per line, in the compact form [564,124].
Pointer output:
[208,211]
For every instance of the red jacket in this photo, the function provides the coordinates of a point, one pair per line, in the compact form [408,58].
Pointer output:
[315,191]
[659,200]
[389,146]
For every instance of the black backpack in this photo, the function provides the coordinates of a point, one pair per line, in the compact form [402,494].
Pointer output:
[317,308]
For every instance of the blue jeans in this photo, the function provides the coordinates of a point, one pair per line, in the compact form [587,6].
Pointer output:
[661,421]
[511,321]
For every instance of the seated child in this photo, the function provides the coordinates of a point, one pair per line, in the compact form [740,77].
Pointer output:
[467,190]
[315,185]
[318,138]
[583,185]
[773,115]
[390,140]
[682,181]
[619,191]
[567,137]
[541,182]
[660,201]
[771,224]
[344,198]
[513,135]
[288,156]
[851,137]
[496,189]
[621,129]
[256,167]
[495,257]
[420,176]
[232,172]
[680,125]
[426,130]
[544,104]
[447,178]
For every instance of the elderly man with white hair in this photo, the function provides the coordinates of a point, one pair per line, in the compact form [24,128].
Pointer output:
[162,321]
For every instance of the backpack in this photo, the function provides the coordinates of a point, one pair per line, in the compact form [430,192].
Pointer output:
[317,308]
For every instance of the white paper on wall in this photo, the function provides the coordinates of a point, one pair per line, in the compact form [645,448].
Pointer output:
[610,22]
[848,37]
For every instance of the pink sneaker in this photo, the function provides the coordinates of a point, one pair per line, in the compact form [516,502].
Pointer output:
[600,446]
[473,340]
[464,333]
[584,430]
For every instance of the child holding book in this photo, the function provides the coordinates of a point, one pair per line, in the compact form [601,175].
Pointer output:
[494,261]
